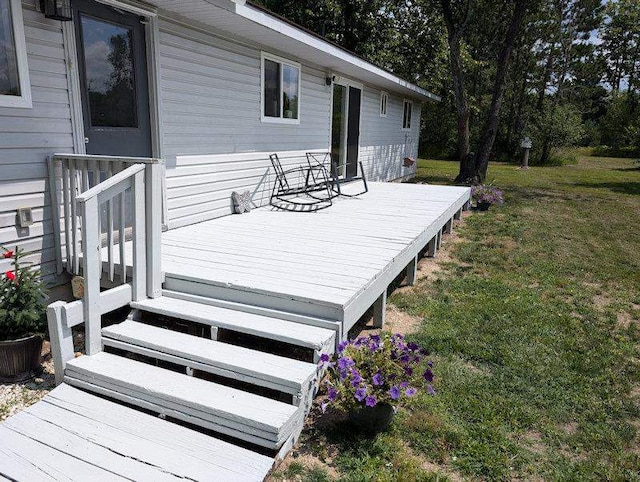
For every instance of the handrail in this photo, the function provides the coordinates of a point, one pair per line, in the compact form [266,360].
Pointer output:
[71,176]
[110,183]
[89,203]
[99,158]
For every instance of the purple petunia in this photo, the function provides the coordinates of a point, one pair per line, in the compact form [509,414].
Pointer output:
[410,392]
[332,394]
[371,401]
[378,379]
[360,394]
[428,375]
[394,393]
[345,362]
[404,384]
[413,346]
[342,345]
[431,390]
[324,358]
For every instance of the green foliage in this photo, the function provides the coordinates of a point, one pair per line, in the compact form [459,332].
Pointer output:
[561,127]
[22,300]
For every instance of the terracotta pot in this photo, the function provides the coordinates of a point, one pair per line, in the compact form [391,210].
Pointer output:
[484,206]
[372,420]
[20,359]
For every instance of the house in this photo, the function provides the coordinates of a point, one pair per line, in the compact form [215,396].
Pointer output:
[124,133]
[216,82]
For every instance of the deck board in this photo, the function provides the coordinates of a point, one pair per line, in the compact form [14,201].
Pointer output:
[73,435]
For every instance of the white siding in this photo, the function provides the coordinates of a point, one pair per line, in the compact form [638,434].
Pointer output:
[211,109]
[27,136]
[383,142]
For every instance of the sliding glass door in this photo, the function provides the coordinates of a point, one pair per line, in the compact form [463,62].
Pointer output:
[345,128]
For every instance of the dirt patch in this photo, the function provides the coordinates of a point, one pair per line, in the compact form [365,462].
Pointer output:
[397,321]
[569,428]
[533,440]
[625,320]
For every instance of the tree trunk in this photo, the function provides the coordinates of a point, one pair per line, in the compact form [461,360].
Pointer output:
[454,37]
[491,125]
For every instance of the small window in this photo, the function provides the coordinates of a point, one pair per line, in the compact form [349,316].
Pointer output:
[384,98]
[280,90]
[406,114]
[14,73]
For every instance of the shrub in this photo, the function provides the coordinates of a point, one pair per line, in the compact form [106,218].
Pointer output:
[374,370]
[22,300]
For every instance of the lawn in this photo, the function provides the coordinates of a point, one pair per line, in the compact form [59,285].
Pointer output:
[534,327]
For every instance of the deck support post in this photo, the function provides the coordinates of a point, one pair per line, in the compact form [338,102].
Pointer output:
[214,332]
[379,308]
[432,247]
[412,271]
[467,205]
[448,227]
[61,339]
[458,215]
[439,241]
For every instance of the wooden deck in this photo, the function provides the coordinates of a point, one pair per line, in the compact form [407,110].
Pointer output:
[331,264]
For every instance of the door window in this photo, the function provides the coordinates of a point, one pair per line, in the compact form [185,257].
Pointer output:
[109,71]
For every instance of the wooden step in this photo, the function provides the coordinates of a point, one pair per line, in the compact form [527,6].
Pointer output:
[226,410]
[321,340]
[334,325]
[258,368]
[75,435]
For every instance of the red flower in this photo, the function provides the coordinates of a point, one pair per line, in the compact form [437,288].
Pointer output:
[11,276]
[8,254]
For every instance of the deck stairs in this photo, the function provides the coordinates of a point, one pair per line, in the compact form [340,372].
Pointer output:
[246,395]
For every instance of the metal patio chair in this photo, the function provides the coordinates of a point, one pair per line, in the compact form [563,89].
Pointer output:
[324,159]
[311,194]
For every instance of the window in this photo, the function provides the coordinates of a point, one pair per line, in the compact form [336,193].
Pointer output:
[384,98]
[14,74]
[280,90]
[406,114]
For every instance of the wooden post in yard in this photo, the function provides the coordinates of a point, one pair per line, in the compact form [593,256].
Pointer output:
[526,145]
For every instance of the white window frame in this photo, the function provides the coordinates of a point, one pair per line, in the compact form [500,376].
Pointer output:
[384,101]
[404,103]
[282,61]
[24,99]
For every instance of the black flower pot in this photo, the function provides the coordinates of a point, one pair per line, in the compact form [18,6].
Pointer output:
[20,359]
[483,206]
[372,420]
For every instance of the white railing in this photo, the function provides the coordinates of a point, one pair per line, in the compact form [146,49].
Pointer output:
[89,203]
[114,226]
[72,174]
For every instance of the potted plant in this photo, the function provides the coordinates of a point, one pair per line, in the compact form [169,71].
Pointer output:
[485,196]
[22,319]
[370,377]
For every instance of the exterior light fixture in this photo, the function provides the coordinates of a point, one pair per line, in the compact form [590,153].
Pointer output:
[57,9]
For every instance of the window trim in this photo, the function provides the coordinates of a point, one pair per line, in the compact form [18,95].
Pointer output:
[384,97]
[24,99]
[282,61]
[404,103]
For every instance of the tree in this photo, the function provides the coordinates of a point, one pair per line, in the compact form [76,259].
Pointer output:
[457,17]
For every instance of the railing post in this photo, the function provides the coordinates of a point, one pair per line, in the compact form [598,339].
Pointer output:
[61,339]
[154,207]
[55,211]
[139,279]
[91,270]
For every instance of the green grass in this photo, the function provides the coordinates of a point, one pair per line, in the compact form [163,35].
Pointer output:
[534,329]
